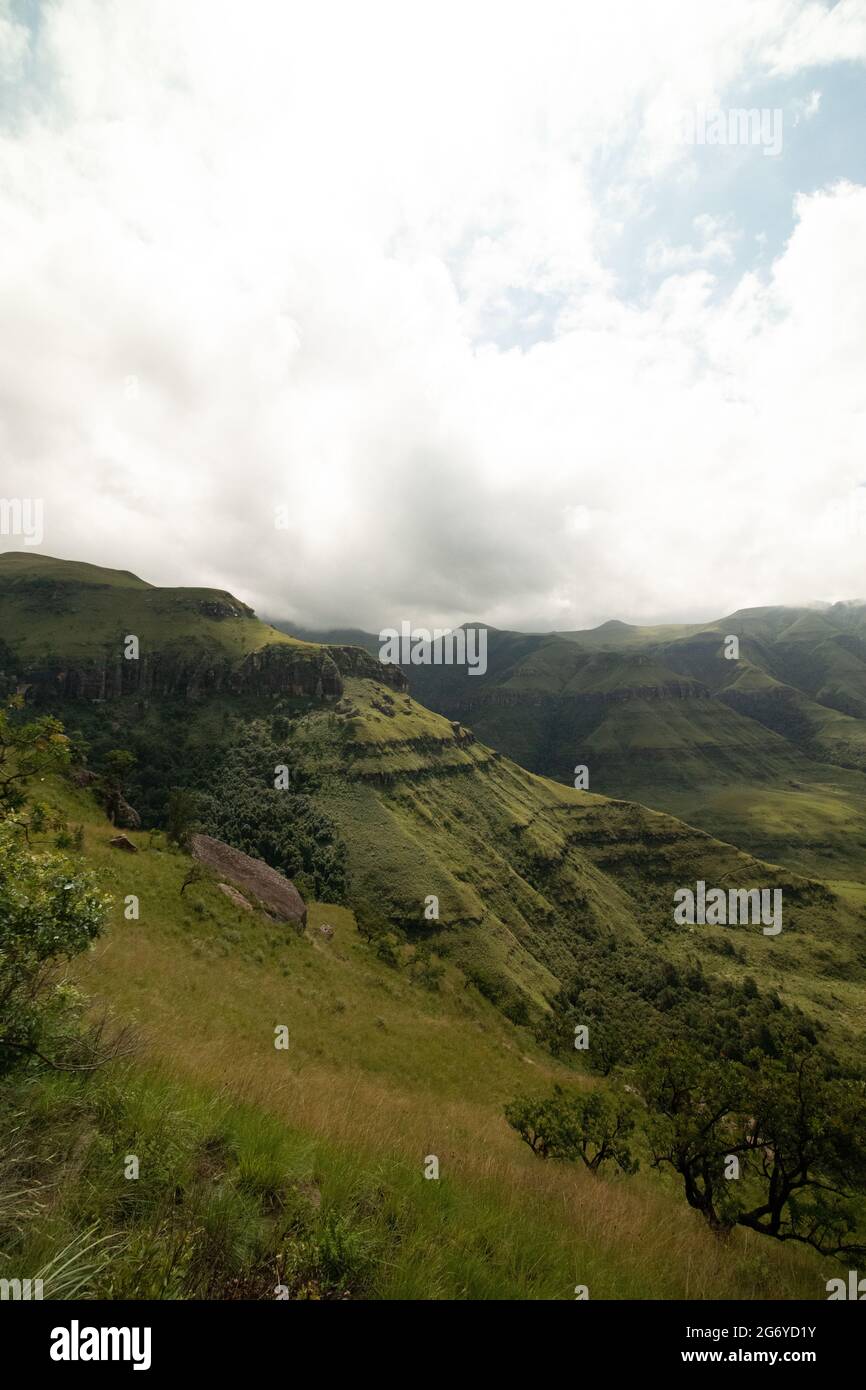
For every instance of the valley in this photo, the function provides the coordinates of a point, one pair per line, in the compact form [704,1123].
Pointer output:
[410,1033]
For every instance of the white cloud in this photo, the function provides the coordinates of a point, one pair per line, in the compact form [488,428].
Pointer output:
[820,34]
[715,239]
[313,233]
[807,107]
[14,45]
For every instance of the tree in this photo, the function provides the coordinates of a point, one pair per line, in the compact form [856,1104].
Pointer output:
[594,1127]
[797,1134]
[633,1001]
[285,828]
[692,1103]
[119,763]
[181,816]
[193,875]
[50,910]
[30,750]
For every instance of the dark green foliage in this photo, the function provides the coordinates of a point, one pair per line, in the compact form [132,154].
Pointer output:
[371,922]
[632,999]
[282,827]
[50,910]
[181,816]
[27,750]
[118,765]
[170,741]
[387,949]
[593,1127]
[797,1134]
[217,774]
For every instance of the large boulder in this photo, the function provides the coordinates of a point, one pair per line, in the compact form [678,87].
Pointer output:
[276,894]
[124,843]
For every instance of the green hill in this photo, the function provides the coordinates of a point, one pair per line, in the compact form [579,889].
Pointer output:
[65,629]
[55,610]
[306,1167]
[660,716]
[457,901]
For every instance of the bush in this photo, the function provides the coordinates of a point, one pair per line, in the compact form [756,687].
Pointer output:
[27,751]
[386,949]
[50,910]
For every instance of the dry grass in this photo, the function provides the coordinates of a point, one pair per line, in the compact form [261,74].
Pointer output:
[385,1072]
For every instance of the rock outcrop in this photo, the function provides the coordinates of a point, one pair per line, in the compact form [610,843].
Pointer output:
[275,669]
[234,896]
[121,814]
[123,842]
[276,894]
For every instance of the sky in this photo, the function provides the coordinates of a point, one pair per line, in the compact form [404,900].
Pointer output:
[387,312]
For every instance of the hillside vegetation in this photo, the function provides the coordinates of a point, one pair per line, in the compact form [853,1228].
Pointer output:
[305,1168]
[57,610]
[465,917]
[768,749]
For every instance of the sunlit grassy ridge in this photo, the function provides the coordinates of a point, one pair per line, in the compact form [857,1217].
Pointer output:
[517,861]
[59,611]
[520,865]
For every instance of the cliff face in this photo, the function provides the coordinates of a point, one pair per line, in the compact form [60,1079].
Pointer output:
[64,627]
[312,672]
[670,690]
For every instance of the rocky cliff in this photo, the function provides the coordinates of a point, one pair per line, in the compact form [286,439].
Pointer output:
[65,628]
[193,674]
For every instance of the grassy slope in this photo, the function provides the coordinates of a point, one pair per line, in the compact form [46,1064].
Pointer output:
[382,1072]
[70,613]
[517,861]
[513,858]
[660,716]
[379,1074]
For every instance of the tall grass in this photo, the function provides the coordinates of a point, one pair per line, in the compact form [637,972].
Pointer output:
[235,1202]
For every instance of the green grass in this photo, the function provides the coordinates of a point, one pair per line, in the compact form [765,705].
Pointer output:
[55,611]
[519,863]
[305,1167]
[660,716]
[232,1200]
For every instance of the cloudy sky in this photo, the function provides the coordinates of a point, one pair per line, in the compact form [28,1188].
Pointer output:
[452,292]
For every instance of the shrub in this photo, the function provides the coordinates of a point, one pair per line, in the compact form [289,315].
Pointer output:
[50,910]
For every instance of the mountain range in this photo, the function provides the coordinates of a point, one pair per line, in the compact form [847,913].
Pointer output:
[430,821]
[766,748]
